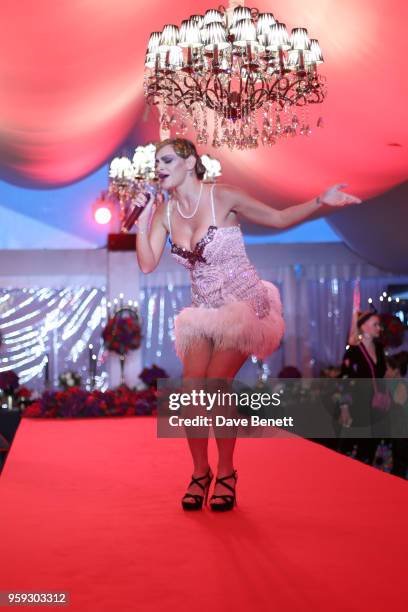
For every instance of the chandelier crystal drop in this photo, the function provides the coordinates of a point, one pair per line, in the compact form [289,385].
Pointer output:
[239,70]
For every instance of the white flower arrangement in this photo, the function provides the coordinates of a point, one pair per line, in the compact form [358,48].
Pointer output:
[69,379]
[212,166]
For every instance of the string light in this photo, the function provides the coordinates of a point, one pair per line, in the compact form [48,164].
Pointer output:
[55,322]
[384,295]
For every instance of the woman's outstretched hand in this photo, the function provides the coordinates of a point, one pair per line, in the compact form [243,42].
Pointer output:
[334,197]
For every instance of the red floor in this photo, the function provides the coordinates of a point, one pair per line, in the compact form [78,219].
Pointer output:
[92,507]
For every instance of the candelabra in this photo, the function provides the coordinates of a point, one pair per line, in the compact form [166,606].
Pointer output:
[128,178]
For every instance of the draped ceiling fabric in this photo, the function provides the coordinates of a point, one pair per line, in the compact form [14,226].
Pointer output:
[378,230]
[71,76]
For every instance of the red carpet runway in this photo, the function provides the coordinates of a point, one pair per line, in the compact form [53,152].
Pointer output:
[92,507]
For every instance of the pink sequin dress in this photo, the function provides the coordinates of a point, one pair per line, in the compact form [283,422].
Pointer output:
[231,305]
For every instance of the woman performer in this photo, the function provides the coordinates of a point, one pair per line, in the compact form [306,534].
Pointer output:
[234,314]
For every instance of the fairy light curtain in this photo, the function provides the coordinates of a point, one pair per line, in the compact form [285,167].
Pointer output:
[60,322]
[47,331]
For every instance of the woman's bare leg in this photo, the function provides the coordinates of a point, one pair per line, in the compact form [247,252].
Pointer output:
[224,364]
[195,365]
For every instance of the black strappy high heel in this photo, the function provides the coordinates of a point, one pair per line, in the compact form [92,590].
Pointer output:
[229,501]
[197,504]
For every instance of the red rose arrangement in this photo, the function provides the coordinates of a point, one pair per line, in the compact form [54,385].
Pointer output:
[122,332]
[75,402]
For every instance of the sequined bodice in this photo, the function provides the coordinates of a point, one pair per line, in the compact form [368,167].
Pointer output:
[221,272]
[191,257]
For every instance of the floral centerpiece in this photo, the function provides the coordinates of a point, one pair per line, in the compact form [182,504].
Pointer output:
[75,402]
[122,334]
[150,376]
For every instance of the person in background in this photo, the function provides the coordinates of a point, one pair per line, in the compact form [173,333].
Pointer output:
[363,360]
[397,370]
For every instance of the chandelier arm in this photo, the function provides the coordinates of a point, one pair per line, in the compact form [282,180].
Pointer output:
[317,99]
[278,90]
[192,89]
[260,96]
[171,92]
[218,90]
[296,97]
[208,94]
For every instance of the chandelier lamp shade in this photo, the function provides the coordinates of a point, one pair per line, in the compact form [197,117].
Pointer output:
[240,67]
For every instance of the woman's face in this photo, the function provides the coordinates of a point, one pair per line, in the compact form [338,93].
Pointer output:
[171,168]
[372,327]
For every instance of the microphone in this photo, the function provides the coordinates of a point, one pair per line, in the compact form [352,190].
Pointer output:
[134,214]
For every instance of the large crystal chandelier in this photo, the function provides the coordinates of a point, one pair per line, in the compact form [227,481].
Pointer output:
[240,66]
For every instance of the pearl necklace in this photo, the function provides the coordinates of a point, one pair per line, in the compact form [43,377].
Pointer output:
[195,210]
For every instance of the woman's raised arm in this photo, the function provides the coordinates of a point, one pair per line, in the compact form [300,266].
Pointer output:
[258,212]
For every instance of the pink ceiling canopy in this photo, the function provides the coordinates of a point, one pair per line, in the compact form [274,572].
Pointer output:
[71,78]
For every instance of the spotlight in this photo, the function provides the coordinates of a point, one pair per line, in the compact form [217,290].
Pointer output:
[102,215]
[102,210]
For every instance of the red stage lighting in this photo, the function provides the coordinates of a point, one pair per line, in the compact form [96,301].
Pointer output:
[102,215]
[102,211]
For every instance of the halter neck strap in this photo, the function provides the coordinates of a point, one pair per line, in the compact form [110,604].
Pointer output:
[169,217]
[212,204]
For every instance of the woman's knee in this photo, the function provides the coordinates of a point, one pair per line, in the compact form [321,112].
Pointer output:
[197,359]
